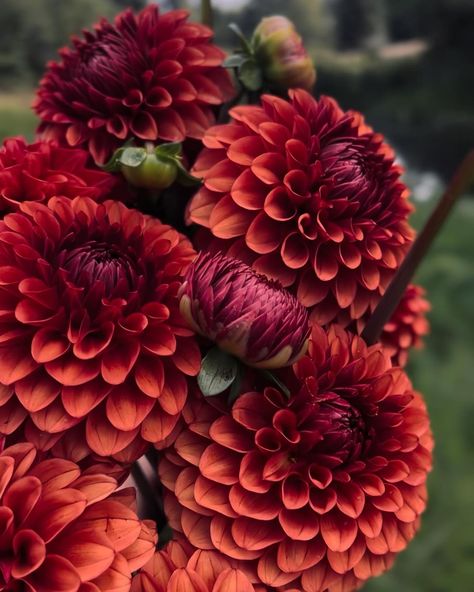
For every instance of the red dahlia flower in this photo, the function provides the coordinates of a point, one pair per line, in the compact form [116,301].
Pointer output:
[91,328]
[181,568]
[307,194]
[63,530]
[245,313]
[318,492]
[36,172]
[146,76]
[407,326]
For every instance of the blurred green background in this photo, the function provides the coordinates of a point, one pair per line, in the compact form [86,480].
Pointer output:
[408,65]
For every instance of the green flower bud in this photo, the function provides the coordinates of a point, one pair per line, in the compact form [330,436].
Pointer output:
[281,55]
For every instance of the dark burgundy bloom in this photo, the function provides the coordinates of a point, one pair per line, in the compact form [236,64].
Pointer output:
[91,331]
[66,530]
[317,493]
[148,76]
[308,194]
[407,326]
[36,172]
[244,312]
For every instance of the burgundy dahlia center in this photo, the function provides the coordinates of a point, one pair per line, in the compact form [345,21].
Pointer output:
[99,262]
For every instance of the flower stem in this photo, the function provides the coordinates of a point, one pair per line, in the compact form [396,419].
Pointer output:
[149,501]
[207,16]
[458,185]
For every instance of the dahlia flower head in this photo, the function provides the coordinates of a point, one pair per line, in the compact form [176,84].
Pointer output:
[243,312]
[307,194]
[317,492]
[66,530]
[148,76]
[91,333]
[38,171]
[181,568]
[407,326]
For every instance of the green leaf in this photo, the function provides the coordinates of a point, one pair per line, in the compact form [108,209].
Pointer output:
[132,157]
[235,60]
[113,165]
[218,372]
[270,376]
[250,75]
[234,27]
[185,178]
[170,150]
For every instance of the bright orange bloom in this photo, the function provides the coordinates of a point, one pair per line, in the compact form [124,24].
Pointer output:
[318,492]
[66,531]
[407,325]
[146,77]
[308,194]
[181,568]
[91,329]
[36,172]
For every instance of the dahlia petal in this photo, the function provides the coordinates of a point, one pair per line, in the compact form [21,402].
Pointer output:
[343,562]
[299,525]
[142,550]
[70,371]
[117,578]
[272,266]
[187,357]
[268,167]
[232,580]
[16,364]
[56,574]
[263,506]
[11,417]
[213,496]
[95,487]
[197,529]
[295,556]
[37,391]
[350,499]
[30,552]
[325,265]
[320,577]
[126,407]
[227,432]
[186,580]
[95,342]
[370,522]
[220,465]
[53,419]
[251,473]
[103,438]
[55,511]
[117,362]
[338,532]
[269,572]
[228,220]
[160,340]
[263,235]
[294,493]
[79,400]
[294,252]
[223,540]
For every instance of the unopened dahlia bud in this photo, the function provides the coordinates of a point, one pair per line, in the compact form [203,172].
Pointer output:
[280,52]
[244,313]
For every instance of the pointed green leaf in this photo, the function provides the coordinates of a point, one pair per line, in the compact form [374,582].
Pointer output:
[234,27]
[171,150]
[235,60]
[185,178]
[132,156]
[218,372]
[113,165]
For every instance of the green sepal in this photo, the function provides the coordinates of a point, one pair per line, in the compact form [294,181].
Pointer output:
[170,150]
[113,165]
[185,178]
[234,27]
[235,60]
[218,371]
[250,75]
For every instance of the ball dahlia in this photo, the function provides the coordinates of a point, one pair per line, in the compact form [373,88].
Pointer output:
[307,194]
[36,172]
[318,492]
[180,567]
[245,313]
[63,530]
[90,326]
[148,76]
[407,325]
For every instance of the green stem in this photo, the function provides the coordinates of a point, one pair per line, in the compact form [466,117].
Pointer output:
[270,376]
[207,15]
[458,185]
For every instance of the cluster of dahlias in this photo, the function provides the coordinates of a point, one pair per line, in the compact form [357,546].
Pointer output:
[292,456]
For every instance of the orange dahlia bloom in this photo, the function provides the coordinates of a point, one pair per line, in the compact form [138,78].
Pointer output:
[181,568]
[245,313]
[407,325]
[307,194]
[66,531]
[91,329]
[318,492]
[36,172]
[148,76]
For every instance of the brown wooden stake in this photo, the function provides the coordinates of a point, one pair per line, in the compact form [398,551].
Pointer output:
[458,185]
